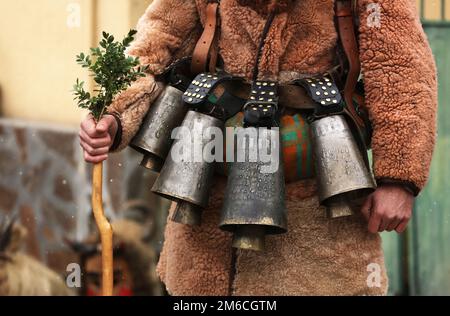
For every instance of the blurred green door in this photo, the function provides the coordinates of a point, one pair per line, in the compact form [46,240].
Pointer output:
[419,262]
[429,245]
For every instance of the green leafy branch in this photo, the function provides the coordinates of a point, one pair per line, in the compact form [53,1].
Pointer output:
[112,70]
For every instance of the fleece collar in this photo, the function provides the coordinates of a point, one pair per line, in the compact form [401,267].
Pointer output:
[266,6]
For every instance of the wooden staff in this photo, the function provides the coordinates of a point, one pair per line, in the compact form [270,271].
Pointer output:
[105,230]
[126,70]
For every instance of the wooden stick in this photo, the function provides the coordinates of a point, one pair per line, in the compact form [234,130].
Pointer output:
[105,230]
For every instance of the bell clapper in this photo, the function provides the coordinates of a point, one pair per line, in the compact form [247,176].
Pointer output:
[250,237]
[151,162]
[187,213]
[339,207]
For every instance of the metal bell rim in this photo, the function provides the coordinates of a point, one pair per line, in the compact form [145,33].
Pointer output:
[157,162]
[178,216]
[270,229]
[176,198]
[143,151]
[139,149]
[348,190]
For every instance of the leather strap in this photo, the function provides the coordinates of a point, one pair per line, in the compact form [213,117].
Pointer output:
[290,95]
[202,86]
[177,74]
[346,29]
[262,43]
[262,107]
[214,52]
[206,86]
[324,91]
[204,45]
[231,104]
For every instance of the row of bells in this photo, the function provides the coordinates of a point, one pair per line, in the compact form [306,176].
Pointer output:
[254,204]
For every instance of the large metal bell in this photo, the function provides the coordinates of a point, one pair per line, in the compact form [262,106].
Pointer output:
[254,204]
[188,181]
[153,139]
[344,178]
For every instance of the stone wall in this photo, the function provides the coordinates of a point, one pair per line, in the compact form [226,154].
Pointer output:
[44,180]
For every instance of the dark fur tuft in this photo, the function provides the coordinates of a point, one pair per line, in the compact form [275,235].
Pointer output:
[6,230]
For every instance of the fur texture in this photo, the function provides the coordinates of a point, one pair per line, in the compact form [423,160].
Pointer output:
[316,256]
[140,257]
[22,275]
[132,105]
[401,90]
[400,74]
[198,260]
[168,30]
[267,6]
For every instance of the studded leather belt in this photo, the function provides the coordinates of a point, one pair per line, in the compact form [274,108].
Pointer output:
[320,94]
[290,96]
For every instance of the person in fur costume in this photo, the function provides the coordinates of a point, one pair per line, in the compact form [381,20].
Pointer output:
[134,259]
[21,274]
[315,257]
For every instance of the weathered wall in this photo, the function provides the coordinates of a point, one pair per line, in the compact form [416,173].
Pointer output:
[38,44]
[43,177]
[44,180]
[434,9]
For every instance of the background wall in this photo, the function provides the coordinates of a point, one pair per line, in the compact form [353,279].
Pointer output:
[43,177]
[434,9]
[38,44]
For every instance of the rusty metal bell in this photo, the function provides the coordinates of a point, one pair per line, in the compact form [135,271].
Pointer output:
[254,204]
[344,178]
[153,139]
[188,181]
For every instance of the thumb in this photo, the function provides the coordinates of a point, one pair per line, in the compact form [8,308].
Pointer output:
[367,207]
[103,125]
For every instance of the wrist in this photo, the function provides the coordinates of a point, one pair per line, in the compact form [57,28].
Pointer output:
[116,134]
[407,186]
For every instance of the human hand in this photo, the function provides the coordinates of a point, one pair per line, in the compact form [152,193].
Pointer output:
[97,139]
[388,208]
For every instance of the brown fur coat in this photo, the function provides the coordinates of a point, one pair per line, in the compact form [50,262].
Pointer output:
[22,275]
[315,257]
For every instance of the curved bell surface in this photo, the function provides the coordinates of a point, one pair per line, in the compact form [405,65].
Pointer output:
[249,237]
[153,139]
[339,206]
[188,181]
[254,204]
[344,179]
[187,213]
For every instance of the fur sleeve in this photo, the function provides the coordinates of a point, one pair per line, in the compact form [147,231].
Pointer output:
[167,30]
[401,89]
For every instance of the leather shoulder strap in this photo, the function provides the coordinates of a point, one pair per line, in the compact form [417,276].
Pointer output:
[346,29]
[205,47]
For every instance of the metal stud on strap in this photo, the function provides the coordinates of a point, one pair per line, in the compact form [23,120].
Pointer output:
[324,91]
[202,86]
[262,106]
